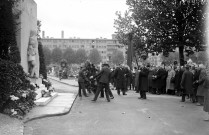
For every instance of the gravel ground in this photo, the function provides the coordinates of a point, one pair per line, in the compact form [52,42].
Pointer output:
[10,126]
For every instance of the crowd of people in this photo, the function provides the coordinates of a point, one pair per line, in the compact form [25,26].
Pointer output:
[190,81]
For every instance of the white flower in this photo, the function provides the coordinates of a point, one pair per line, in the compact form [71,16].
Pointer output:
[24,95]
[12,110]
[33,84]
[13,98]
[14,113]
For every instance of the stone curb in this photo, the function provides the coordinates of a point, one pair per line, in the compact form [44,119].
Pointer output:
[63,82]
[66,111]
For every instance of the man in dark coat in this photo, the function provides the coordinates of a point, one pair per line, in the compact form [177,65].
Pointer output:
[143,82]
[81,82]
[105,75]
[196,75]
[160,74]
[120,80]
[186,83]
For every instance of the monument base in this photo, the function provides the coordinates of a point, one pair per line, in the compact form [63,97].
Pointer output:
[45,100]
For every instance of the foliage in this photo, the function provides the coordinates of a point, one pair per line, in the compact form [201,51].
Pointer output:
[162,26]
[42,70]
[95,56]
[173,56]
[38,29]
[56,55]
[8,28]
[47,55]
[198,57]
[69,55]
[16,92]
[117,57]
[81,56]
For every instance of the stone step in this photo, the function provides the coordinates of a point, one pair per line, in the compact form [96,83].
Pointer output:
[45,100]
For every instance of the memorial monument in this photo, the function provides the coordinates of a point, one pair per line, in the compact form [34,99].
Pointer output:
[27,37]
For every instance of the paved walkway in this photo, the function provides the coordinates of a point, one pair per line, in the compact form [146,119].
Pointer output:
[60,105]
[125,115]
[71,82]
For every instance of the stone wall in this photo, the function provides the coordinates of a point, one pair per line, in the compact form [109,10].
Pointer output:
[27,23]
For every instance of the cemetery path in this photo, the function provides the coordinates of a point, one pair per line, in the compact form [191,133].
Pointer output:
[125,115]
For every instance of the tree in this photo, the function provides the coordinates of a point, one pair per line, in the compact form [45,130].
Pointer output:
[81,56]
[173,56]
[47,55]
[168,25]
[117,57]
[8,28]
[95,56]
[38,29]
[42,61]
[56,55]
[69,55]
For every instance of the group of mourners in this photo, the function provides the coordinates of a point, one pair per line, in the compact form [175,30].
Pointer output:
[190,81]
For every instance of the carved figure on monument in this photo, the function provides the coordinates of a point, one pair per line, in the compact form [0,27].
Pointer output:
[32,54]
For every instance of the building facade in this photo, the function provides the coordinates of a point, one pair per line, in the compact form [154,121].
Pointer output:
[105,46]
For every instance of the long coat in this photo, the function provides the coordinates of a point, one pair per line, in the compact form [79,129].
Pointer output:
[160,78]
[187,81]
[150,82]
[154,81]
[143,79]
[178,77]
[201,89]
[170,85]
[120,78]
[206,95]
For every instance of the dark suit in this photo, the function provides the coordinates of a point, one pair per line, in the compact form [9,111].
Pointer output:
[81,84]
[187,83]
[143,82]
[104,81]
[120,80]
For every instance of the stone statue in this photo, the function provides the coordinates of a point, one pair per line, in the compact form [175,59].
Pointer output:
[32,54]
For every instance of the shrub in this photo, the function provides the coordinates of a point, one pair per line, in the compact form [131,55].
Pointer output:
[17,93]
[42,60]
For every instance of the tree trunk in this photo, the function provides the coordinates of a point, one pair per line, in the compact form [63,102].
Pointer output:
[181,55]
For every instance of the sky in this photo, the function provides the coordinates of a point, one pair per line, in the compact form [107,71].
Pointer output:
[79,18]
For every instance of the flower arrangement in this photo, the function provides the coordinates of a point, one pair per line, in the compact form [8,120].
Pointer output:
[17,93]
[48,89]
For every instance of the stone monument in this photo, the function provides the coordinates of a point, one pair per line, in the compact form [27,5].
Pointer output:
[27,37]
[27,40]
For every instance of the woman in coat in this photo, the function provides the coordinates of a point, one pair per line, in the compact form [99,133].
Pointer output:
[201,89]
[206,94]
[169,84]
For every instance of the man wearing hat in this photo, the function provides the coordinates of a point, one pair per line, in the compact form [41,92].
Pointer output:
[104,80]
[81,79]
[186,83]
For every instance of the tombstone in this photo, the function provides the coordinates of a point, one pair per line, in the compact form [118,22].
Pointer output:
[27,40]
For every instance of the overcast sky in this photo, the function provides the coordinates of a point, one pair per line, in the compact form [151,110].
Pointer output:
[79,18]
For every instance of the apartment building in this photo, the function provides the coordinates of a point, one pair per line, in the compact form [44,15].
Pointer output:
[105,46]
